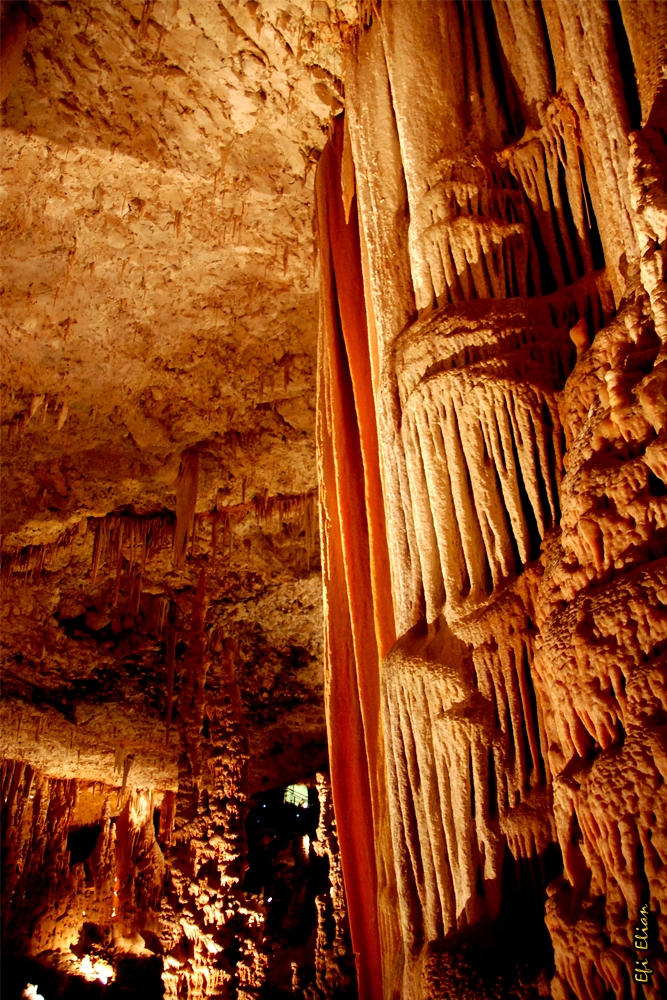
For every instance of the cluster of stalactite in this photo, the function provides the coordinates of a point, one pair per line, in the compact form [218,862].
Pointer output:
[124,544]
[493,331]
[49,897]
[176,882]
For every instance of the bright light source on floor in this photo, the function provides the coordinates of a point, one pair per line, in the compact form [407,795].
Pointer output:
[99,969]
[30,993]
[297,795]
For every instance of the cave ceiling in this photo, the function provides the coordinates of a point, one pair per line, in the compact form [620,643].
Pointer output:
[159,265]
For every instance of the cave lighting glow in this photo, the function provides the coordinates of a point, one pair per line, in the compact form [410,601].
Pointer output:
[297,795]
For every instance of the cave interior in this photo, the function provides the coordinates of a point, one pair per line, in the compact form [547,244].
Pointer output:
[334,499]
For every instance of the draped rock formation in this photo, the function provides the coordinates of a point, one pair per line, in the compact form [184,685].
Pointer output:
[492,418]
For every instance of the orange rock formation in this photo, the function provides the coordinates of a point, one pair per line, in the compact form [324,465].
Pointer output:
[507,163]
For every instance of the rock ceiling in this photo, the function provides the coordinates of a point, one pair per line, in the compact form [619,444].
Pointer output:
[159,267]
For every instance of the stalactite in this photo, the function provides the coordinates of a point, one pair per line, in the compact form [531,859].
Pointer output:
[170,642]
[127,767]
[118,557]
[62,416]
[97,550]
[522,454]
[186,499]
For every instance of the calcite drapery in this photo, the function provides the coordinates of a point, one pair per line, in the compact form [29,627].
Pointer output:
[509,172]
[359,617]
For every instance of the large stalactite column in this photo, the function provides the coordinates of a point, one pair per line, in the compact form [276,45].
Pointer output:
[358,610]
[509,162]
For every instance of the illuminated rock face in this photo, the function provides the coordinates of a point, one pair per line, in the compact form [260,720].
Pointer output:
[502,172]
